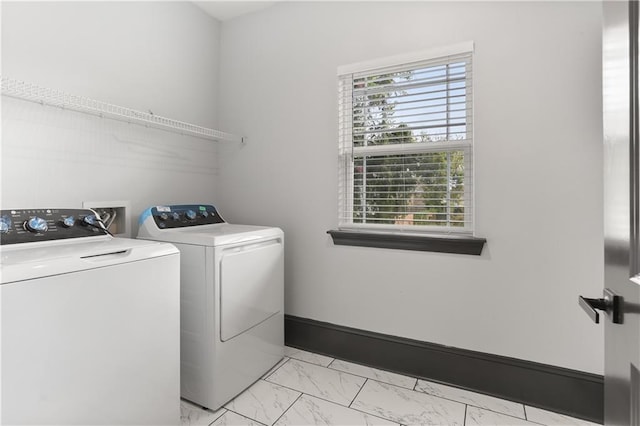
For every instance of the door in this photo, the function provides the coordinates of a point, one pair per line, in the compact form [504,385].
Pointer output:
[621,210]
[621,300]
[251,286]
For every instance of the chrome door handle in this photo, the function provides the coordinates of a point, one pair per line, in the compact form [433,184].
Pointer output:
[611,304]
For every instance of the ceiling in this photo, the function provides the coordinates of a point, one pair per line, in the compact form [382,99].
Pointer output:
[225,10]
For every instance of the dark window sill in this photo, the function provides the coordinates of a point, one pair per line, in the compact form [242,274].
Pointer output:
[440,244]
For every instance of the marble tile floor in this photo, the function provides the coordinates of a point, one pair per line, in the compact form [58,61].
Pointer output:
[311,389]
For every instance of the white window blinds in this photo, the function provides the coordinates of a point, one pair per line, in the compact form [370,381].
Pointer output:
[405,146]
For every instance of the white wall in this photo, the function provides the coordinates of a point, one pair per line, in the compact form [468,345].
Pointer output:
[157,56]
[538,169]
[538,155]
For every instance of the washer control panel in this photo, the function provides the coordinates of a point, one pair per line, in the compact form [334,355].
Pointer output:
[31,225]
[180,216]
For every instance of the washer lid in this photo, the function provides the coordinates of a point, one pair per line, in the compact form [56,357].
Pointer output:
[215,235]
[37,260]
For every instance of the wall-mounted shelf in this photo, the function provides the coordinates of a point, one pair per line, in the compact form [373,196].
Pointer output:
[45,96]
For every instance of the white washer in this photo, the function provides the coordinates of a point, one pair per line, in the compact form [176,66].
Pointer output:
[232,299]
[89,323]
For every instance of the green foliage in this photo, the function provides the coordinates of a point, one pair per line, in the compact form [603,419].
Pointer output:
[412,189]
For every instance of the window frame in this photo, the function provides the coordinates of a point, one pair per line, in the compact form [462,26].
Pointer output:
[448,239]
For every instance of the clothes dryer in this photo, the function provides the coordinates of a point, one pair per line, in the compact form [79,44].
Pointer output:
[89,323]
[232,299]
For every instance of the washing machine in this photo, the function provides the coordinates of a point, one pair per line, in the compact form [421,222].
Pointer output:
[89,323]
[231,296]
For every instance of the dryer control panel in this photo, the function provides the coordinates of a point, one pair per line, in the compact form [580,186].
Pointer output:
[180,216]
[31,225]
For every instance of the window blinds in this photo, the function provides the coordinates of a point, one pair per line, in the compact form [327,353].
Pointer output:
[405,146]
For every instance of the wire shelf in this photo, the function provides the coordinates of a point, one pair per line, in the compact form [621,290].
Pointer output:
[45,96]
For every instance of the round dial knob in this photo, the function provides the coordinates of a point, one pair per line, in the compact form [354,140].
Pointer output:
[68,221]
[190,214]
[164,216]
[90,220]
[175,216]
[205,213]
[36,224]
[5,225]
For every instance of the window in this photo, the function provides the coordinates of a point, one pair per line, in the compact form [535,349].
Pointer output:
[406,143]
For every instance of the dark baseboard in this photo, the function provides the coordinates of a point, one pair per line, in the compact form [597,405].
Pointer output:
[571,392]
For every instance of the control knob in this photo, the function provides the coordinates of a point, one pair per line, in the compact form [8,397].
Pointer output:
[190,214]
[68,221]
[205,213]
[5,225]
[163,216]
[36,225]
[175,216]
[90,220]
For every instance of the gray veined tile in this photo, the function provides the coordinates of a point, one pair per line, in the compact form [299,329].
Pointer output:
[471,398]
[192,415]
[480,417]
[309,410]
[315,380]
[275,367]
[232,419]
[374,373]
[307,356]
[545,417]
[406,406]
[263,401]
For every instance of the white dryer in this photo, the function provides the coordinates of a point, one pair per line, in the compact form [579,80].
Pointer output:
[89,323]
[232,299]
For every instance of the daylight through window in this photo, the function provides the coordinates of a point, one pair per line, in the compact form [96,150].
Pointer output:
[406,135]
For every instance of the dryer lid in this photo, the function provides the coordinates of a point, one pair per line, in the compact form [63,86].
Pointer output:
[198,224]
[215,235]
